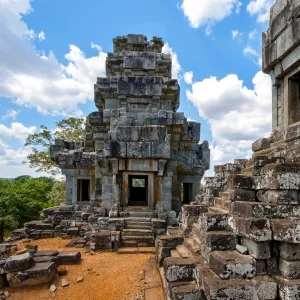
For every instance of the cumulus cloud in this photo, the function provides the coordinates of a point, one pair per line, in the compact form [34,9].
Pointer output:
[208,12]
[16,130]
[41,36]
[252,34]
[253,55]
[188,77]
[11,114]
[237,115]
[260,8]
[176,67]
[40,81]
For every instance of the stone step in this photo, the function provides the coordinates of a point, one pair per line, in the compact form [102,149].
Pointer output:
[138,226]
[138,238]
[135,232]
[185,290]
[136,250]
[232,265]
[141,214]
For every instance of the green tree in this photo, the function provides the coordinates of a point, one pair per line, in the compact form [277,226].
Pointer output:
[22,200]
[70,130]
[57,195]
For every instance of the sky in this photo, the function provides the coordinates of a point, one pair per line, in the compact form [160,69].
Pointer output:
[51,53]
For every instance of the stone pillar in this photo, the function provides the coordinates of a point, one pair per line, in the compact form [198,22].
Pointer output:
[71,186]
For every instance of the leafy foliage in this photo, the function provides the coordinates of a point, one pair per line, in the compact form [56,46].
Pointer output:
[23,199]
[57,194]
[71,129]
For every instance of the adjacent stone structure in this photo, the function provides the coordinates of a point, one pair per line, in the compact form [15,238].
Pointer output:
[240,238]
[280,59]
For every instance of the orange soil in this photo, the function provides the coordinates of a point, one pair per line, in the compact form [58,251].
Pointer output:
[106,276]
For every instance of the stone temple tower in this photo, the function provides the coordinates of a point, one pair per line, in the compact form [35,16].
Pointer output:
[139,151]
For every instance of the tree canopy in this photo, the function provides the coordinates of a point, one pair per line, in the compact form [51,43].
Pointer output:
[71,129]
[23,199]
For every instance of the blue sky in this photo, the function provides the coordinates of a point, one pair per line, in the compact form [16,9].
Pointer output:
[52,51]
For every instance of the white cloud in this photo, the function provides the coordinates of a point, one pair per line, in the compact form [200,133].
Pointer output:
[16,130]
[253,55]
[176,67]
[188,77]
[40,81]
[261,8]
[41,36]
[237,115]
[11,113]
[208,12]
[236,34]
[252,34]
[11,160]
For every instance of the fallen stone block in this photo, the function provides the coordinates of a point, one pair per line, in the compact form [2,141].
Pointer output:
[38,274]
[73,231]
[42,259]
[178,269]
[46,234]
[64,282]
[44,226]
[36,234]
[46,253]
[259,250]
[232,265]
[17,263]
[286,230]
[66,257]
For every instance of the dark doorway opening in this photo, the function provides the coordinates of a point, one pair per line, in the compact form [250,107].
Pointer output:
[138,190]
[294,98]
[83,190]
[186,193]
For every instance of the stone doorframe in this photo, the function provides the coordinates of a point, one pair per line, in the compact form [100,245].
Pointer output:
[150,191]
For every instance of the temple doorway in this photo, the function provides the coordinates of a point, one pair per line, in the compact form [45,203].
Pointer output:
[138,190]
[83,190]
[186,193]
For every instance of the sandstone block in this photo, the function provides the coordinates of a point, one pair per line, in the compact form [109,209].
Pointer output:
[38,274]
[265,288]
[232,265]
[279,197]
[289,251]
[178,269]
[187,291]
[260,210]
[286,231]
[17,263]
[289,269]
[258,230]
[239,194]
[46,253]
[66,257]
[261,144]
[259,250]
[214,222]
[289,289]
[240,181]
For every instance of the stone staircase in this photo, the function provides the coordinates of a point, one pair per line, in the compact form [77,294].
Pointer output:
[137,232]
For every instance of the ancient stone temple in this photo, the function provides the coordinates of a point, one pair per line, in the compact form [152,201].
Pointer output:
[139,151]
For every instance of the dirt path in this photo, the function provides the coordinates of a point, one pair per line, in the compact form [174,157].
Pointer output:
[106,276]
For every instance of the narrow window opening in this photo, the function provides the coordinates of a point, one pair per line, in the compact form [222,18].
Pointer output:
[186,193]
[83,190]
